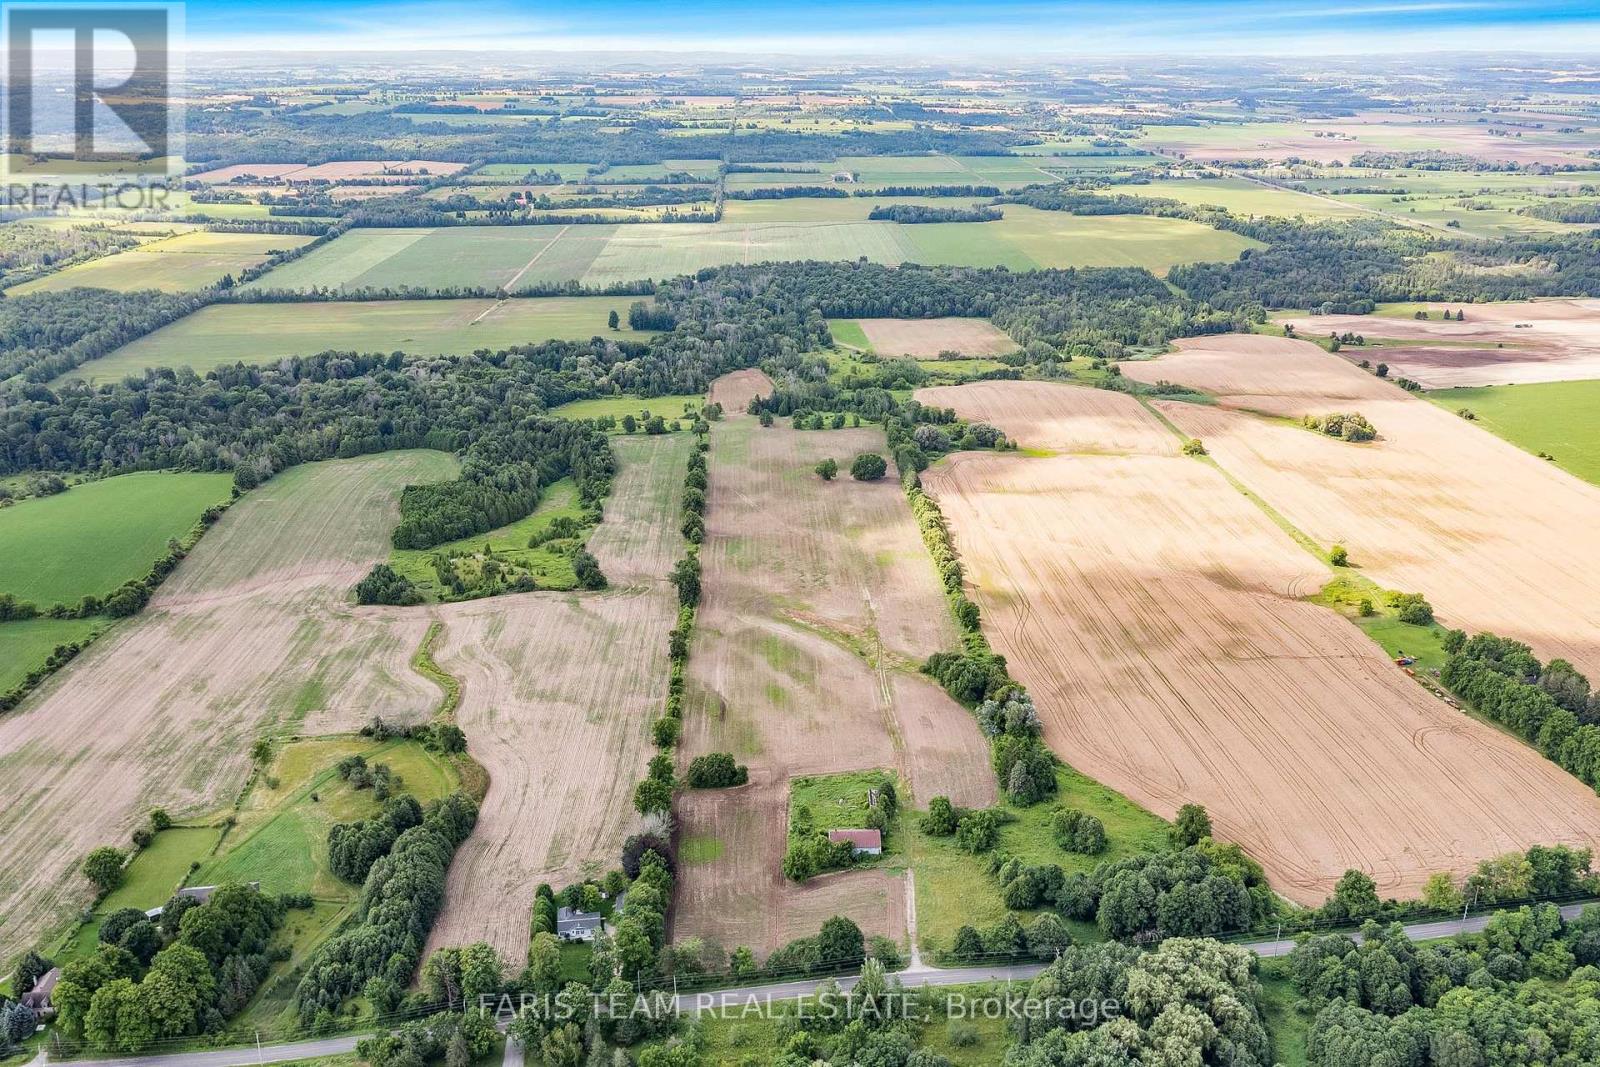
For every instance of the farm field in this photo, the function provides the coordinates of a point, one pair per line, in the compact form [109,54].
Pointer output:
[819,604]
[1056,417]
[183,263]
[1429,507]
[1543,341]
[671,407]
[735,391]
[926,338]
[252,635]
[1244,197]
[27,643]
[503,257]
[1561,419]
[1343,138]
[224,334]
[1157,616]
[511,256]
[97,535]
[564,741]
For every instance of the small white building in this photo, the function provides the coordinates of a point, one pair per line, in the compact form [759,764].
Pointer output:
[574,925]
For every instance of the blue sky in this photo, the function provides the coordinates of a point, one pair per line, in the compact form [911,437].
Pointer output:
[936,29]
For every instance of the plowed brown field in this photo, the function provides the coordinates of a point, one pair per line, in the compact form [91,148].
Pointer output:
[735,391]
[819,603]
[1495,538]
[1155,614]
[926,338]
[559,691]
[251,635]
[1545,341]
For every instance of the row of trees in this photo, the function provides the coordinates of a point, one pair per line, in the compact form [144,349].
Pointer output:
[977,675]
[1549,706]
[920,213]
[376,954]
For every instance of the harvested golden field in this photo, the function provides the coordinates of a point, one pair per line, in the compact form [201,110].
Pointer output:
[1057,417]
[1495,538]
[926,338]
[1155,613]
[559,691]
[735,391]
[1544,341]
[819,603]
[253,634]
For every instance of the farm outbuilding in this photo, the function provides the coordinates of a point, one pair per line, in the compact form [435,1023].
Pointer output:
[862,842]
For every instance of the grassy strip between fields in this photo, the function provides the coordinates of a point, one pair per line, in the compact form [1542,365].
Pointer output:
[449,685]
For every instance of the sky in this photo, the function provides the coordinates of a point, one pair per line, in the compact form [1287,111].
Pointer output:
[935,29]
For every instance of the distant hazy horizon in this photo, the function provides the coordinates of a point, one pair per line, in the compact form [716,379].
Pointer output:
[902,29]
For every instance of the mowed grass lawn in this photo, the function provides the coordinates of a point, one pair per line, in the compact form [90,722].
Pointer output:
[184,263]
[95,536]
[1558,418]
[224,334]
[516,257]
[27,644]
[954,888]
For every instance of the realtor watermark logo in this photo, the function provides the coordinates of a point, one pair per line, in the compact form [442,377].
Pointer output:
[93,113]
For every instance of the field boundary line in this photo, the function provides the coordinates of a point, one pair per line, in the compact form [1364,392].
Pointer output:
[529,265]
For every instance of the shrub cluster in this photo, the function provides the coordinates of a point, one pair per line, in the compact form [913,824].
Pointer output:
[715,770]
[1348,426]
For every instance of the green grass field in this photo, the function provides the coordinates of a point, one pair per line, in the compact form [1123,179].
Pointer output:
[95,536]
[675,406]
[1346,592]
[27,644]
[151,877]
[282,833]
[187,262]
[1244,197]
[839,801]
[739,1039]
[1558,418]
[550,565]
[492,256]
[954,888]
[224,334]
[514,257]
[849,332]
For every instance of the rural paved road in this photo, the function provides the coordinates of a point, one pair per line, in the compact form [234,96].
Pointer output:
[731,1000]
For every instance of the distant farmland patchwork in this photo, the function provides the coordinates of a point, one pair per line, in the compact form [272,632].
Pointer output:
[519,257]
